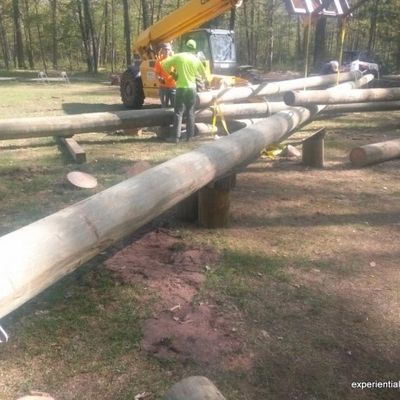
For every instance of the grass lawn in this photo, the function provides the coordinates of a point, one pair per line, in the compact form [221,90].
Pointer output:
[303,301]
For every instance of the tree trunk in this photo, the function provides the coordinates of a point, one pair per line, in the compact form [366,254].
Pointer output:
[28,34]
[53,4]
[145,13]
[85,39]
[320,42]
[232,19]
[270,36]
[106,34]
[19,44]
[127,33]
[4,42]
[40,37]
[373,25]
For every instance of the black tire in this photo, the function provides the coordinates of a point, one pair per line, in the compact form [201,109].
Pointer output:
[132,94]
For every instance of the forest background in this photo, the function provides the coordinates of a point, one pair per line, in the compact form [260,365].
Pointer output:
[97,35]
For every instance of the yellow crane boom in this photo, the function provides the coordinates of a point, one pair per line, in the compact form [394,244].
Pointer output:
[188,17]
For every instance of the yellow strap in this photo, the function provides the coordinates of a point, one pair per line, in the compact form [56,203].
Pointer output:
[218,113]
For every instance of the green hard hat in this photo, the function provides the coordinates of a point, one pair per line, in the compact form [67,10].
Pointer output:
[191,44]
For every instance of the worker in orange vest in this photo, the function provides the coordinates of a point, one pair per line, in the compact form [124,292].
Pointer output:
[166,81]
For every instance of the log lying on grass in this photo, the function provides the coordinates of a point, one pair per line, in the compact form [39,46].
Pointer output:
[36,256]
[375,153]
[267,89]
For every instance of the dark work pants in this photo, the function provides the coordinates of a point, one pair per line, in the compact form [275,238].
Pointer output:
[184,103]
[167,97]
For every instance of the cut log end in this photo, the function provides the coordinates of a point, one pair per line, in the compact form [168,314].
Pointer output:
[194,388]
[289,98]
[358,157]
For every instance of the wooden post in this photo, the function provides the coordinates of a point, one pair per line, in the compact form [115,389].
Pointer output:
[187,209]
[214,202]
[375,153]
[194,388]
[313,149]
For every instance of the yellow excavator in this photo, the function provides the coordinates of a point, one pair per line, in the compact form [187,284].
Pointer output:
[216,45]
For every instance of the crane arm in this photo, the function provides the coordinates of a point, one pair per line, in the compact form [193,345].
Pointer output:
[188,17]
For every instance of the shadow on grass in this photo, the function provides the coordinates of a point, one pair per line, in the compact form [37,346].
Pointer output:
[306,343]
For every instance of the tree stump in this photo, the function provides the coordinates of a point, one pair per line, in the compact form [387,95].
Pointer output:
[313,150]
[194,388]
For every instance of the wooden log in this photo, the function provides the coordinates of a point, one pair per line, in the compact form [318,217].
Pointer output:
[297,98]
[362,107]
[266,89]
[37,255]
[194,388]
[67,125]
[76,151]
[19,128]
[313,149]
[233,125]
[375,153]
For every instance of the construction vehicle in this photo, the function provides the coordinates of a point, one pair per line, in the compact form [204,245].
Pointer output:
[217,46]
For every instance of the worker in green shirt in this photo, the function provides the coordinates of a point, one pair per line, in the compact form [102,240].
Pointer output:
[186,66]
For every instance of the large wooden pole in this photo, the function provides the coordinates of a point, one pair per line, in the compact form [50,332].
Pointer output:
[67,125]
[363,107]
[375,153]
[267,89]
[35,256]
[355,96]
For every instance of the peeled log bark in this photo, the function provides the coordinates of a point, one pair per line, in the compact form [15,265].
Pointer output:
[37,255]
[266,89]
[313,97]
[375,153]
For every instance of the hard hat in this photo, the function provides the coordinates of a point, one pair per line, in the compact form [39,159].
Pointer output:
[191,44]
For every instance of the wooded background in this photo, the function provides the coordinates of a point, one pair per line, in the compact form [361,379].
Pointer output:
[96,35]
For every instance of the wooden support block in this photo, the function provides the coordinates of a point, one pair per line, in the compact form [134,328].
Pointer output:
[76,151]
[313,149]
[187,209]
[214,202]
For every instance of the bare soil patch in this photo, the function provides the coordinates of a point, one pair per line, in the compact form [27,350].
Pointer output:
[173,270]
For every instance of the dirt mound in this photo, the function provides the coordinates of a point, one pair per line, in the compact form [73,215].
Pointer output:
[175,270]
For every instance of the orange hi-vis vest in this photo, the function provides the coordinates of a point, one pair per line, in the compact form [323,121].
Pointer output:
[165,79]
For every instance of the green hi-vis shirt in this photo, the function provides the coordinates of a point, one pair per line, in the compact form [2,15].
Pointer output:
[187,66]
